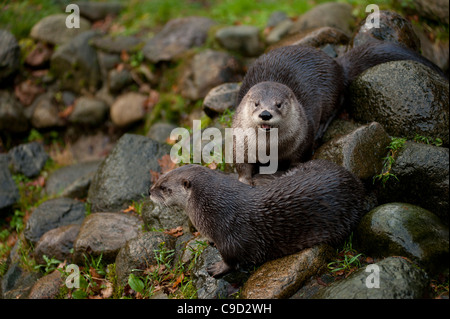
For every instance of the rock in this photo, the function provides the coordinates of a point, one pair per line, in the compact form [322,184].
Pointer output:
[17,282]
[9,55]
[12,115]
[76,65]
[107,62]
[279,31]
[435,51]
[140,253]
[162,217]
[160,132]
[117,44]
[104,234]
[207,70]
[52,29]
[281,278]
[177,36]
[98,10]
[68,98]
[44,113]
[117,80]
[28,159]
[399,229]
[339,128]
[243,39]
[331,14]
[92,147]
[128,108]
[276,18]
[40,56]
[317,38]
[208,287]
[47,287]
[52,214]
[221,98]
[398,279]
[88,111]
[125,174]
[71,181]
[9,193]
[405,97]
[361,151]
[423,179]
[393,28]
[56,243]
[436,10]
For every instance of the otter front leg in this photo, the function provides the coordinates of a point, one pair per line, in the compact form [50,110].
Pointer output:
[245,171]
[218,269]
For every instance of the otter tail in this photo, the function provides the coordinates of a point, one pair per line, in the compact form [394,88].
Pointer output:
[361,58]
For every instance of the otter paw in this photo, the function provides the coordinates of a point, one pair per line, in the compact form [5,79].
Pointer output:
[218,269]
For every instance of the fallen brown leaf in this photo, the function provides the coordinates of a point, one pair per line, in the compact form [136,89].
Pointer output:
[130,208]
[166,164]
[66,112]
[175,232]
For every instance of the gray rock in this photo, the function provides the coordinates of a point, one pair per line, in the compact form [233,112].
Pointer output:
[423,179]
[279,31]
[89,111]
[361,151]
[160,132]
[393,28]
[9,193]
[72,181]
[281,278]
[339,128]
[52,29]
[43,113]
[331,14]
[125,174]
[117,80]
[399,229]
[221,98]
[177,36]
[398,279]
[52,214]
[242,39]
[28,159]
[9,55]
[76,65]
[99,10]
[117,44]
[17,282]
[436,10]
[104,234]
[207,70]
[405,97]
[276,18]
[140,253]
[47,287]
[162,217]
[12,115]
[56,243]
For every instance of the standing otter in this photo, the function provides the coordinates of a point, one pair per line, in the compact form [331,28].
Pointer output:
[298,90]
[317,202]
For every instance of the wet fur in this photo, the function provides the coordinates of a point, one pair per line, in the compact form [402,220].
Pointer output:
[318,83]
[318,202]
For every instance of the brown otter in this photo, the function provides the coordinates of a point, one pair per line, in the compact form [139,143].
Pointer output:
[317,202]
[298,90]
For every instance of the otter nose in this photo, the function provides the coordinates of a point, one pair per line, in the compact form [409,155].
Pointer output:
[265,115]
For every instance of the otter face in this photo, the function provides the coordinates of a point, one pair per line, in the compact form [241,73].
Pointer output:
[269,104]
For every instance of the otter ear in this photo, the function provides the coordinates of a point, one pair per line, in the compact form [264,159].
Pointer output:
[186,183]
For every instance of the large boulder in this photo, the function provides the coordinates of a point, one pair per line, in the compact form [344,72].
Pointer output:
[9,194]
[9,55]
[405,97]
[177,36]
[399,229]
[124,175]
[28,159]
[243,39]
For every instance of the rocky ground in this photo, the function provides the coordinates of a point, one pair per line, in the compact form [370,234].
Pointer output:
[85,117]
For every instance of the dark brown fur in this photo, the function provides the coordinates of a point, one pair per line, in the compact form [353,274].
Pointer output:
[317,81]
[318,202]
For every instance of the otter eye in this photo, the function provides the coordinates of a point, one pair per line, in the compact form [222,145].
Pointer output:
[278,104]
[256,104]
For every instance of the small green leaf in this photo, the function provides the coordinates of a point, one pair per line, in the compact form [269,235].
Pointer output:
[135,283]
[79,294]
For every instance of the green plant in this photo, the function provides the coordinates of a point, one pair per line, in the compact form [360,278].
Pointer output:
[395,145]
[428,140]
[226,118]
[50,265]
[348,259]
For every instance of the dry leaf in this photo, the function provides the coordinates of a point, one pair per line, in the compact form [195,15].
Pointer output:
[212,165]
[66,112]
[166,164]
[178,281]
[129,209]
[108,291]
[154,176]
[124,56]
[176,232]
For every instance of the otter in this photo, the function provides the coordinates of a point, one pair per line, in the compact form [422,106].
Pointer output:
[316,202]
[299,90]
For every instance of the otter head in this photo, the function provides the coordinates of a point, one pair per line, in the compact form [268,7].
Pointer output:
[174,188]
[269,104]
